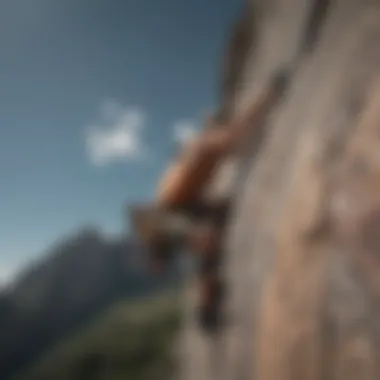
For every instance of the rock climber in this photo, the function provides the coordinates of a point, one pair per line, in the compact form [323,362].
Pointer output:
[183,185]
[184,214]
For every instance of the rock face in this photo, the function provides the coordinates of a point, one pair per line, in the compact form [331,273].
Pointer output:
[302,262]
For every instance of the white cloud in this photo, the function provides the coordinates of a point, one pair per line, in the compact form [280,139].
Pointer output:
[184,131]
[118,136]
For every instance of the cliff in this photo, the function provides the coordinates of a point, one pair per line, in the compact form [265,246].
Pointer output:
[302,254]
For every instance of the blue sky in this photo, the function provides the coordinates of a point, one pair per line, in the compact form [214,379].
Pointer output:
[93,95]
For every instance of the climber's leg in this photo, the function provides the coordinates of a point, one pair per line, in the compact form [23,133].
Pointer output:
[216,210]
[205,243]
[210,301]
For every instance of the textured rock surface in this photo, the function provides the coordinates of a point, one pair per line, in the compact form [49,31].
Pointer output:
[302,260]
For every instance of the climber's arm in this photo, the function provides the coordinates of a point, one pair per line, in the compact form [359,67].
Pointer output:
[255,113]
[216,142]
[185,180]
[226,139]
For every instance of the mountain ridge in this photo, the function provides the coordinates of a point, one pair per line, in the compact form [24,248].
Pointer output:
[79,276]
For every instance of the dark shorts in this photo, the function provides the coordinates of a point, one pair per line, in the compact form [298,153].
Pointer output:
[217,213]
